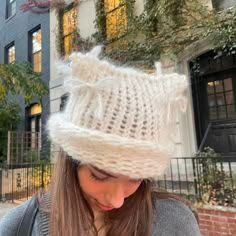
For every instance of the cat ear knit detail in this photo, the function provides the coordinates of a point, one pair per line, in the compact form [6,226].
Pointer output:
[118,119]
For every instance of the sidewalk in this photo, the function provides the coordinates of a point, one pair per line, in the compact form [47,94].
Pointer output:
[5,207]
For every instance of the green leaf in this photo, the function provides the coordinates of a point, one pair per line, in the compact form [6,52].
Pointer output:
[19,78]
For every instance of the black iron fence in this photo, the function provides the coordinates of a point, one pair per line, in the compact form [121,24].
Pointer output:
[210,180]
[21,181]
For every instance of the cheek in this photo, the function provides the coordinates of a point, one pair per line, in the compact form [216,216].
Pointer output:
[88,186]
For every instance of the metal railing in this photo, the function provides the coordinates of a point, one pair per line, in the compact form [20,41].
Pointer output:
[204,139]
[211,180]
[21,181]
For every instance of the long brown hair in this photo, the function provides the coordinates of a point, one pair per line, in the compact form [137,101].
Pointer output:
[71,215]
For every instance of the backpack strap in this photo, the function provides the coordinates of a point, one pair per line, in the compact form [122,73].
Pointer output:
[26,224]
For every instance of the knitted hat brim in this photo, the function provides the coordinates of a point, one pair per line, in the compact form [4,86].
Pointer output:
[137,159]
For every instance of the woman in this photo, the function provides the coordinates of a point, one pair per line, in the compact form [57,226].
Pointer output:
[116,136]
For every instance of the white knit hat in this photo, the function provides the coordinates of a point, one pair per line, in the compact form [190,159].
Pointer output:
[118,119]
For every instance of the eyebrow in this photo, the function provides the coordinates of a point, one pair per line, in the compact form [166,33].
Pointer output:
[103,172]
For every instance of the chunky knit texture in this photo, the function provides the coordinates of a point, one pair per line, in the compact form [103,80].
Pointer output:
[118,119]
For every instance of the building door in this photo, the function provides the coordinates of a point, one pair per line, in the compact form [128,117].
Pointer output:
[34,126]
[214,97]
[222,112]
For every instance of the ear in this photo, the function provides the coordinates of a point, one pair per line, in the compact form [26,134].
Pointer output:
[89,68]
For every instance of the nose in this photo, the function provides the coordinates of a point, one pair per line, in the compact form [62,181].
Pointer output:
[115,196]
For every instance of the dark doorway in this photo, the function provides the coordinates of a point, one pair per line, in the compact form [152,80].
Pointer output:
[213,78]
[34,126]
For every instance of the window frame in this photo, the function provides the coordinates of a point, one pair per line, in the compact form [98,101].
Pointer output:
[31,52]
[10,5]
[36,131]
[7,48]
[216,94]
[104,14]
[72,34]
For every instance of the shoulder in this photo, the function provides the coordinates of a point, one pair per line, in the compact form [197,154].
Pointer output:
[173,217]
[10,221]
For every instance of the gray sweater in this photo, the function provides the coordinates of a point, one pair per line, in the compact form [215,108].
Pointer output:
[172,218]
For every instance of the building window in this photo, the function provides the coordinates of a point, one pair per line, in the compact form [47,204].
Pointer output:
[221,99]
[116,19]
[69,22]
[10,53]
[10,8]
[34,125]
[36,50]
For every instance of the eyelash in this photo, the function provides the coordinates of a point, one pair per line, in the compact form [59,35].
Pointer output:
[93,176]
[96,178]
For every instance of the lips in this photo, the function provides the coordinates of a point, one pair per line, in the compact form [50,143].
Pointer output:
[103,207]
